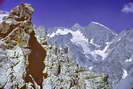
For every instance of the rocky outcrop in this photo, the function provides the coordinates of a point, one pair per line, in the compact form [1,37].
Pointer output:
[64,73]
[15,31]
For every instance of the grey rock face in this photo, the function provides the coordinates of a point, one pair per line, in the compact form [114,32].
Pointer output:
[64,73]
[12,67]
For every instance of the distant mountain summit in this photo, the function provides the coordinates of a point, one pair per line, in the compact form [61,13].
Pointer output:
[97,48]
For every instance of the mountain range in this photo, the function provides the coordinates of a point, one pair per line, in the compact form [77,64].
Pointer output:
[99,49]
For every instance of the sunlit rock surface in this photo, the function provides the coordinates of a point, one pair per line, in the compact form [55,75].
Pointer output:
[15,31]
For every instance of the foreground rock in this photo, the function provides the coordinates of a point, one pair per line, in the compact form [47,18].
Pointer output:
[64,73]
[15,31]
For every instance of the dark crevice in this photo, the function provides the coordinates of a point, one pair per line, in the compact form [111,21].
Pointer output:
[59,70]
[24,87]
[5,29]
[36,61]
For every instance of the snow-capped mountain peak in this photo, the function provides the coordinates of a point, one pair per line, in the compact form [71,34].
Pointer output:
[102,26]
[99,24]
[89,43]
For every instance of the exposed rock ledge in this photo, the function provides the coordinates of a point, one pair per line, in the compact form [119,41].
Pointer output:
[28,62]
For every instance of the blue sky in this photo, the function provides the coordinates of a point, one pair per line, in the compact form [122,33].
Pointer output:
[51,13]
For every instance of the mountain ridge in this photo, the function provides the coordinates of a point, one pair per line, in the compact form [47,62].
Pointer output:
[97,48]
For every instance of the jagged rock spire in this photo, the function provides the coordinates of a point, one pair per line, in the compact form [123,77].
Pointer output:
[17,24]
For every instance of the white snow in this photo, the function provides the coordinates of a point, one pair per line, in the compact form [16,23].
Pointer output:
[2,15]
[60,32]
[103,52]
[77,35]
[79,39]
[100,25]
[125,74]
[130,59]
[91,67]
[92,42]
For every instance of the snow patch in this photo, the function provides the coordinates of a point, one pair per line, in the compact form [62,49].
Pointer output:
[104,52]
[59,32]
[77,35]
[92,42]
[130,59]
[78,38]
[2,15]
[91,67]
[125,74]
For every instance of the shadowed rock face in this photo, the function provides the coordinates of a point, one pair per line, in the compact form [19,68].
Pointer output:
[36,59]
